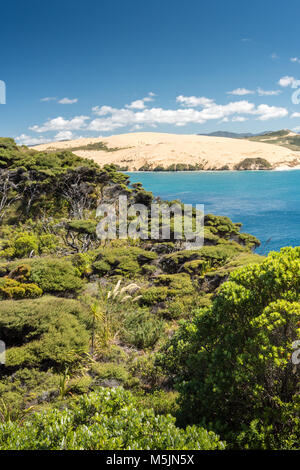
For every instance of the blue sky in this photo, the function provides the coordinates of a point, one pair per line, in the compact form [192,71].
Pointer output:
[100,67]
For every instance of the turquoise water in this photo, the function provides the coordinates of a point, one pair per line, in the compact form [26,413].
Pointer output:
[266,202]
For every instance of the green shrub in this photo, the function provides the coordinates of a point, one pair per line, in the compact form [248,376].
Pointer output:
[233,361]
[126,261]
[27,387]
[48,243]
[148,372]
[142,329]
[109,370]
[79,385]
[44,332]
[183,306]
[110,419]
[12,289]
[54,275]
[162,402]
[257,163]
[196,267]
[101,267]
[83,263]
[83,226]
[26,244]
[144,197]
[177,284]
[153,295]
[149,269]
[210,255]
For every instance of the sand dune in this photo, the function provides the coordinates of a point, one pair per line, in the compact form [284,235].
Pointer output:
[136,150]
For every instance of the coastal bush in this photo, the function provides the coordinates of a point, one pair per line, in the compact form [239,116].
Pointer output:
[149,269]
[177,284]
[12,289]
[79,385]
[214,255]
[232,362]
[182,306]
[83,263]
[24,245]
[43,332]
[50,274]
[153,294]
[26,387]
[196,267]
[148,373]
[109,370]
[162,402]
[54,275]
[109,419]
[144,197]
[83,226]
[142,329]
[257,163]
[127,261]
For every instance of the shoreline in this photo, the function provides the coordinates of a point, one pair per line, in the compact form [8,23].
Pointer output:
[212,171]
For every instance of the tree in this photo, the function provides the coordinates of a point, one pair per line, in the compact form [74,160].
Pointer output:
[79,187]
[232,363]
[9,185]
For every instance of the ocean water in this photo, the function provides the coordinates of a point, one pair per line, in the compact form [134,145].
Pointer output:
[267,203]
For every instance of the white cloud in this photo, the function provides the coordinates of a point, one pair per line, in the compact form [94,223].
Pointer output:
[194,101]
[239,119]
[102,111]
[241,92]
[25,139]
[110,119]
[295,115]
[68,101]
[262,92]
[274,56]
[267,112]
[136,115]
[289,81]
[140,104]
[49,98]
[295,59]
[61,124]
[65,135]
[150,96]
[61,101]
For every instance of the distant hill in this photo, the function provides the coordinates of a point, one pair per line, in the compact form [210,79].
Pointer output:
[230,135]
[284,138]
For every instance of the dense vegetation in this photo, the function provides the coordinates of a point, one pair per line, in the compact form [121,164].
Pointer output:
[136,343]
[253,163]
[107,420]
[238,353]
